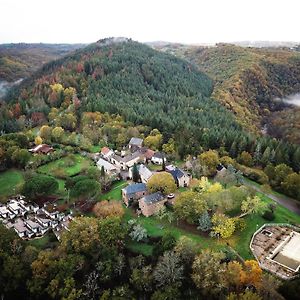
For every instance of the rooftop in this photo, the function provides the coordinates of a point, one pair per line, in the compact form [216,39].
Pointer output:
[177,173]
[153,198]
[107,165]
[159,155]
[144,171]
[136,141]
[135,188]
[105,150]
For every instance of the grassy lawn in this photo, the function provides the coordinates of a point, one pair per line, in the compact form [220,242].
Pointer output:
[115,192]
[10,182]
[241,241]
[64,167]
[48,240]
[154,167]
[141,248]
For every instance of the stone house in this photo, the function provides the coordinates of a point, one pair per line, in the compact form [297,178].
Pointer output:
[135,143]
[144,172]
[181,178]
[152,204]
[109,168]
[106,152]
[133,192]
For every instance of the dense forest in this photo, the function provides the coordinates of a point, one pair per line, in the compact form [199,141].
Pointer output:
[247,80]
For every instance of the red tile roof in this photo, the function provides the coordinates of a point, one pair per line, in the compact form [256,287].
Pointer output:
[105,150]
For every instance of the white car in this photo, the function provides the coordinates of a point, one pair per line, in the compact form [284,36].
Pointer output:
[170,196]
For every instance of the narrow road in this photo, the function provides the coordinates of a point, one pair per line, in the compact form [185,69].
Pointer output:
[289,203]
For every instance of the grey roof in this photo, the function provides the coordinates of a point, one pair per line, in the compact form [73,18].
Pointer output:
[128,157]
[177,173]
[153,198]
[136,141]
[135,188]
[20,226]
[159,155]
[144,171]
[107,165]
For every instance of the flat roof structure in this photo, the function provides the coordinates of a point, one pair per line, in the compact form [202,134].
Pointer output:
[276,247]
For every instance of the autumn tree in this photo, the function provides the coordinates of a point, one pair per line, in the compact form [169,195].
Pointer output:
[253,205]
[38,140]
[162,182]
[189,206]
[104,209]
[45,133]
[222,225]
[245,158]
[208,272]
[57,134]
[153,140]
[210,159]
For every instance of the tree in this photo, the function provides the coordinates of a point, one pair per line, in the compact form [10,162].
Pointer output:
[266,156]
[142,279]
[291,185]
[281,172]
[257,154]
[245,158]
[104,209]
[211,160]
[38,140]
[138,233]
[83,236]
[161,182]
[45,133]
[232,276]
[168,270]
[153,140]
[204,222]
[135,174]
[253,205]
[252,274]
[247,295]
[223,225]
[189,206]
[20,157]
[86,188]
[39,185]
[169,148]
[208,272]
[57,134]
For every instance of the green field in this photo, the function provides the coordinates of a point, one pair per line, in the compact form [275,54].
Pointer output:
[115,192]
[10,182]
[65,166]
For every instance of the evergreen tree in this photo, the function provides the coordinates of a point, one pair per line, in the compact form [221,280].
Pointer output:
[102,174]
[296,160]
[257,154]
[204,222]
[233,150]
[266,156]
[163,165]
[135,174]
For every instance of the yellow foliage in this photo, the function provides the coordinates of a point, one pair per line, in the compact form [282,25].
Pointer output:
[38,140]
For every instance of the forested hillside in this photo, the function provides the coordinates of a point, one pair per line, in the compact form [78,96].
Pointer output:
[247,80]
[144,86]
[21,60]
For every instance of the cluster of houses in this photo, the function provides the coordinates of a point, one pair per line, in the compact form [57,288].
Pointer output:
[30,221]
[116,163]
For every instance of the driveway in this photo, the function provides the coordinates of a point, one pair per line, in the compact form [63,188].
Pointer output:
[289,203]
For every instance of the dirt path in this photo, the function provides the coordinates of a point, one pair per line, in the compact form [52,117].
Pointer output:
[291,204]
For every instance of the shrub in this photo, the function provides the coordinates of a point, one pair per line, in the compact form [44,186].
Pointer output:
[268,215]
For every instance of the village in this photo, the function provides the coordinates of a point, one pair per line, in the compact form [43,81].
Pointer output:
[138,156]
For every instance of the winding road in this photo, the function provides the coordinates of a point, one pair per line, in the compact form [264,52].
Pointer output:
[289,203]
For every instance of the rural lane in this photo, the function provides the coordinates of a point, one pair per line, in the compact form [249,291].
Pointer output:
[291,204]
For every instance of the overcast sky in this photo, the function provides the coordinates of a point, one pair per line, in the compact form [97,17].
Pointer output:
[186,21]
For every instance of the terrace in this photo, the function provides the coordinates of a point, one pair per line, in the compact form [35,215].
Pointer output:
[277,249]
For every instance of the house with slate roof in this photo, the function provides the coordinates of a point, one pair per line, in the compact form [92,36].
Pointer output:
[158,158]
[152,204]
[109,168]
[182,179]
[144,172]
[133,192]
[135,143]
